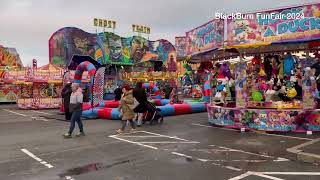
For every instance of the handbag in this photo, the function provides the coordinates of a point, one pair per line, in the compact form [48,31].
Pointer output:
[134,105]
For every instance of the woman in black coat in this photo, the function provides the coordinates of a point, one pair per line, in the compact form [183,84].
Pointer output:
[118,94]
[140,95]
[65,94]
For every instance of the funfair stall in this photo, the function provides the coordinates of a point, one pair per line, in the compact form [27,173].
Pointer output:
[9,61]
[197,42]
[277,88]
[39,87]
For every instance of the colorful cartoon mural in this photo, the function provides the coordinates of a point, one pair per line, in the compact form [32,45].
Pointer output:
[259,119]
[206,37]
[222,117]
[180,46]
[9,93]
[283,25]
[107,47]
[9,57]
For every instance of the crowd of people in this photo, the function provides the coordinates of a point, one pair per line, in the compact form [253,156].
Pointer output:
[133,104]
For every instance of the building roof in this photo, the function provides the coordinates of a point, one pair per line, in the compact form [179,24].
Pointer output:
[50,67]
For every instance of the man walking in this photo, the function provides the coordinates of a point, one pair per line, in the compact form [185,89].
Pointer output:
[75,107]
[65,94]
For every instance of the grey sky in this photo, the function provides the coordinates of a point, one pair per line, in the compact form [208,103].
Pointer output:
[28,24]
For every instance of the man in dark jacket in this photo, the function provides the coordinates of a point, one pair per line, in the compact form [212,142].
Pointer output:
[140,95]
[86,94]
[117,92]
[167,90]
[65,94]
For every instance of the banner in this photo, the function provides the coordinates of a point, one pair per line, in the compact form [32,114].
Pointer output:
[284,25]
[180,46]
[98,86]
[206,37]
[106,48]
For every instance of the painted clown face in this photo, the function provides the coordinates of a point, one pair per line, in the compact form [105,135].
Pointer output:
[115,49]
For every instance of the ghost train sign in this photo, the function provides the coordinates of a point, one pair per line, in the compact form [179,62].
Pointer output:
[104,23]
[300,23]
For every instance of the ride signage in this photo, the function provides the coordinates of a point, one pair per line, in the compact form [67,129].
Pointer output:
[206,37]
[104,23]
[300,23]
[140,29]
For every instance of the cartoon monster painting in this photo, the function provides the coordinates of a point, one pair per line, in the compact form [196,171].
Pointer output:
[115,46]
[81,44]
[138,49]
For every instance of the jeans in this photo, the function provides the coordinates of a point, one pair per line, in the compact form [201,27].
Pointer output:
[124,124]
[75,118]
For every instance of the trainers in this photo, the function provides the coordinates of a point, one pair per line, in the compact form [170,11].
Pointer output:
[67,135]
[119,131]
[80,134]
[133,131]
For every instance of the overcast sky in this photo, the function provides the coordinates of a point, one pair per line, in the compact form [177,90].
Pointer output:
[28,24]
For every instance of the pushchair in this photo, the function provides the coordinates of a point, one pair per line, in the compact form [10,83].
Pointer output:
[153,114]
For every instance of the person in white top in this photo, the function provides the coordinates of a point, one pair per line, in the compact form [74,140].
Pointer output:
[76,100]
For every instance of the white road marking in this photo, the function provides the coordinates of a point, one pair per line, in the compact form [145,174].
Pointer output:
[140,136]
[161,135]
[241,176]
[249,160]
[15,112]
[237,160]
[228,167]
[201,125]
[245,152]
[280,159]
[203,160]
[169,142]
[206,160]
[209,151]
[41,112]
[39,119]
[292,173]
[36,158]
[289,137]
[278,135]
[305,144]
[232,168]
[128,133]
[69,178]
[266,176]
[180,154]
[249,173]
[132,142]
[143,143]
